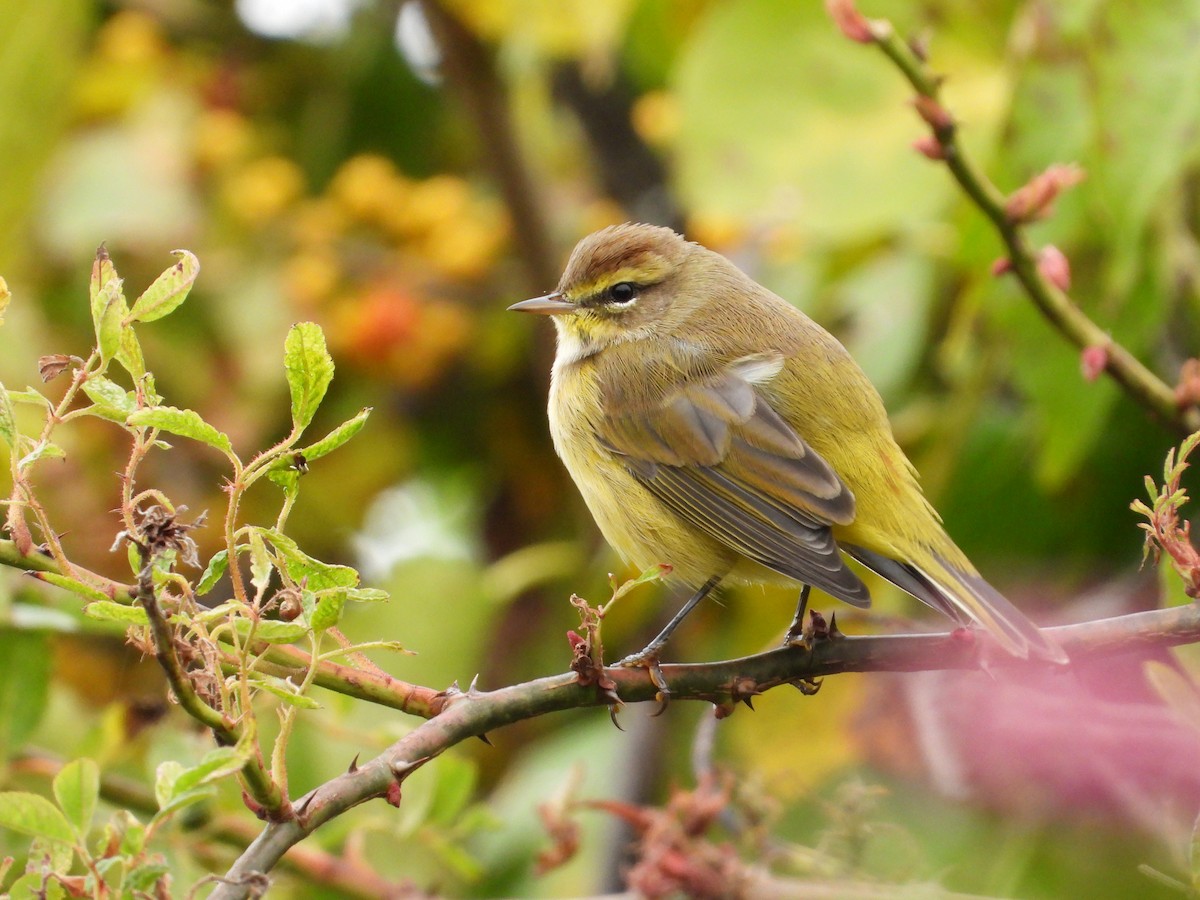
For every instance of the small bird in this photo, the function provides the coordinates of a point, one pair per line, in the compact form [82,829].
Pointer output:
[712,426]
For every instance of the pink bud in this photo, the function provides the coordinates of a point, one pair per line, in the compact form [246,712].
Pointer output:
[1093,361]
[1187,392]
[935,115]
[929,147]
[1002,266]
[1055,267]
[850,21]
[1035,199]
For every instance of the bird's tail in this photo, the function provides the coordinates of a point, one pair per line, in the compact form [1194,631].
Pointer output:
[967,599]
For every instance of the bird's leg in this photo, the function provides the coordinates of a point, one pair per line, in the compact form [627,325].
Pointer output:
[650,651]
[795,631]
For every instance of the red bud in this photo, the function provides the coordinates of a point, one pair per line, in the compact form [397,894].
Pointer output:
[850,21]
[935,115]
[1035,199]
[1093,361]
[1055,268]
[929,147]
[1002,266]
[1187,392]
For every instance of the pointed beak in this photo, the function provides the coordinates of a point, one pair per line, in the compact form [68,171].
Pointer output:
[550,305]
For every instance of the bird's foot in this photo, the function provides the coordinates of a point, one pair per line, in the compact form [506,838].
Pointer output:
[805,635]
[647,659]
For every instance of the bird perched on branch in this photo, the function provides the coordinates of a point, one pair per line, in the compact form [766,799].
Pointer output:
[713,426]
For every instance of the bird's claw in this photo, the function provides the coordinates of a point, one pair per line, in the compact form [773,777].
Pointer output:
[648,659]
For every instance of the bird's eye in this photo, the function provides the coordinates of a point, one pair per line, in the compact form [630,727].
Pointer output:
[623,292]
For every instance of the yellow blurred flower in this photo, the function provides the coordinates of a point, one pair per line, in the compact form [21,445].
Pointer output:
[263,189]
[130,38]
[656,117]
[222,137]
[317,222]
[434,201]
[367,187]
[310,277]
[464,248]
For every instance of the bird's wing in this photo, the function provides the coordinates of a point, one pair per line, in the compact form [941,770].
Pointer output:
[717,454]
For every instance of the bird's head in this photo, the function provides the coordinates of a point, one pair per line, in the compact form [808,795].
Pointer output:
[621,283]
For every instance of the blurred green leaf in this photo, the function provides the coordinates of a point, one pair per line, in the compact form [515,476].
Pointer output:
[107,610]
[41,450]
[272,631]
[284,690]
[167,291]
[309,371]
[25,659]
[184,422]
[34,815]
[8,422]
[302,567]
[77,788]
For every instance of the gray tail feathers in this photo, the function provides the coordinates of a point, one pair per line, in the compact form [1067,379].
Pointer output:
[967,599]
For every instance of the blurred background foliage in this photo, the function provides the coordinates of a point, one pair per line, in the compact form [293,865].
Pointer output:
[400,173]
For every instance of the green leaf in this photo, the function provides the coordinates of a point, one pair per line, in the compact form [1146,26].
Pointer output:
[327,609]
[75,587]
[260,561]
[144,877]
[34,815]
[337,437]
[109,611]
[216,764]
[309,371]
[367,595]
[108,305]
[31,396]
[168,291]
[41,450]
[77,788]
[165,776]
[129,355]
[301,566]
[25,660]
[284,690]
[184,422]
[213,573]
[111,400]
[272,631]
[8,421]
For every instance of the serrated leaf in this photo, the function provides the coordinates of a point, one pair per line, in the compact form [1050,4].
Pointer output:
[167,291]
[184,422]
[41,450]
[327,609]
[213,572]
[309,371]
[75,587]
[108,305]
[144,877]
[8,420]
[109,611]
[260,561]
[129,355]
[34,815]
[111,400]
[338,436]
[31,396]
[367,595]
[164,780]
[216,764]
[272,631]
[301,566]
[77,788]
[284,690]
